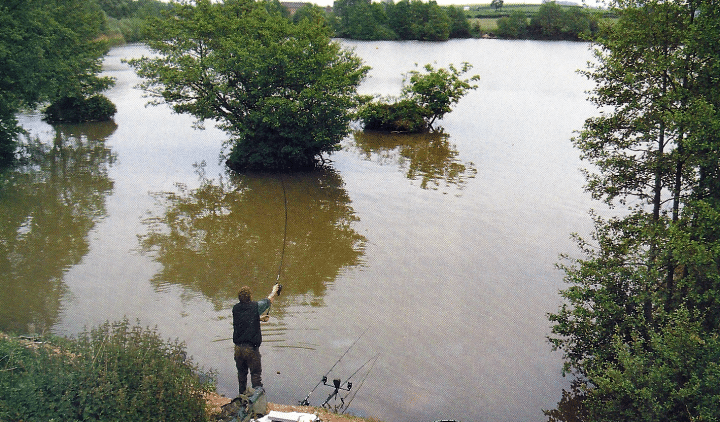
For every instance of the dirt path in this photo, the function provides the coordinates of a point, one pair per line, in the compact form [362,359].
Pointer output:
[216,401]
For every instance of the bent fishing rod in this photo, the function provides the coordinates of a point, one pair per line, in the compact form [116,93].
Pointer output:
[284,242]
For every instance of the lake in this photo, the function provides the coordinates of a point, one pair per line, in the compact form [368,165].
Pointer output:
[421,267]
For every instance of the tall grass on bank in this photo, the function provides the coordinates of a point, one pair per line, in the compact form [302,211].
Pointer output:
[116,372]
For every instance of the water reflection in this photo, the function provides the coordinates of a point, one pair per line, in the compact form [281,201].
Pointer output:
[229,232]
[48,205]
[427,157]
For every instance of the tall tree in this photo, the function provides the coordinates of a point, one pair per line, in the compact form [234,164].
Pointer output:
[643,307]
[48,49]
[283,92]
[459,23]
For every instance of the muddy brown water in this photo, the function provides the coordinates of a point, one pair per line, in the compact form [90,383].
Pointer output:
[434,252]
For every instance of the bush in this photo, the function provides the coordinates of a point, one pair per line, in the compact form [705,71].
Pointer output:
[114,372]
[402,116]
[426,97]
[514,26]
[554,22]
[77,109]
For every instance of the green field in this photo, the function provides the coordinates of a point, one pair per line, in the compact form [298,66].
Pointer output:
[485,11]
[485,17]
[486,25]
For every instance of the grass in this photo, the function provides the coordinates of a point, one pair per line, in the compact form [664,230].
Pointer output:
[113,372]
[485,24]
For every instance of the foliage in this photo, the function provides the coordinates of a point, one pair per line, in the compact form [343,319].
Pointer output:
[459,24]
[425,98]
[112,372]
[402,116]
[127,18]
[672,376]
[496,4]
[643,307]
[311,12]
[284,92]
[120,9]
[76,110]
[404,20]
[555,22]
[48,49]
[437,90]
[362,20]
[514,26]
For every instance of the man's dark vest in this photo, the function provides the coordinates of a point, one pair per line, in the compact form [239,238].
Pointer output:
[246,324]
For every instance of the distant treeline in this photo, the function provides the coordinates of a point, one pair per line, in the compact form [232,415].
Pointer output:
[551,22]
[402,20]
[418,20]
[126,18]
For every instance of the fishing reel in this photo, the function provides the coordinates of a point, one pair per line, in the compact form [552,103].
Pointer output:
[279,289]
[337,384]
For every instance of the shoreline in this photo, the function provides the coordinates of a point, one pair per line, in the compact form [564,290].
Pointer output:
[215,402]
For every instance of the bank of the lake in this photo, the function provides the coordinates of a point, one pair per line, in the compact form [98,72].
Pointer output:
[39,378]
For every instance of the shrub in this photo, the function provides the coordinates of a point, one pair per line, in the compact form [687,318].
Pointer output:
[114,372]
[426,97]
[402,116]
[79,109]
[513,26]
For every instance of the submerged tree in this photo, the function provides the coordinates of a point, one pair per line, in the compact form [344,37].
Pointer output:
[48,50]
[640,322]
[425,98]
[284,92]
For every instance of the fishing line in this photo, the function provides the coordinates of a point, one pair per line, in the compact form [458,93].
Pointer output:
[347,406]
[282,254]
[361,367]
[284,242]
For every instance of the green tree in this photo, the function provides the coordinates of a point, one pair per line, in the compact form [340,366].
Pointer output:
[430,20]
[425,97]
[459,23]
[640,321]
[362,20]
[311,12]
[49,49]
[514,26]
[560,23]
[437,90]
[284,93]
[401,21]
[496,4]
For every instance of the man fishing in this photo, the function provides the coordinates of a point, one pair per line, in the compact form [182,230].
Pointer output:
[247,335]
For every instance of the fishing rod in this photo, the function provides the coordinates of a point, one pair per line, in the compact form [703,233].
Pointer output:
[305,401]
[284,242]
[347,386]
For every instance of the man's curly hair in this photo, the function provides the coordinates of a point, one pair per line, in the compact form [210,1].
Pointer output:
[245,294]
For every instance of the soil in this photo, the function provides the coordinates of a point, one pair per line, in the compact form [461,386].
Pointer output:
[216,401]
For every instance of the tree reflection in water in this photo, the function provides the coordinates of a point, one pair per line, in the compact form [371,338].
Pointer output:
[229,233]
[48,204]
[427,157]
